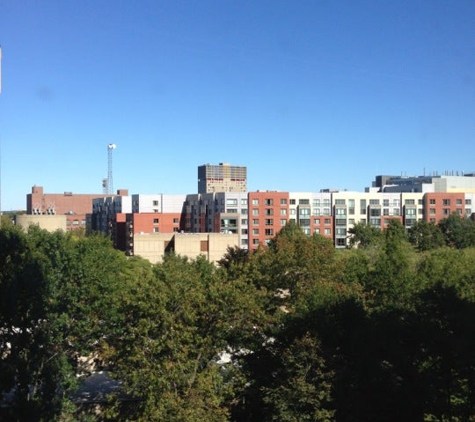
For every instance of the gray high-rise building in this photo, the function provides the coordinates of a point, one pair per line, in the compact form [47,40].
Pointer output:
[222,178]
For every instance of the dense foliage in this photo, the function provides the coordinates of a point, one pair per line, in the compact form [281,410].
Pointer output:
[296,331]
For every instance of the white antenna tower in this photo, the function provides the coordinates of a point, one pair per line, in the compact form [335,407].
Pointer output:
[110,184]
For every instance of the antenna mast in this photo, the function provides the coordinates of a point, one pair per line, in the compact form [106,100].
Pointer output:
[110,184]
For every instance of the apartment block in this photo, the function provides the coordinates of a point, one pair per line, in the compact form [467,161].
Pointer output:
[222,178]
[268,212]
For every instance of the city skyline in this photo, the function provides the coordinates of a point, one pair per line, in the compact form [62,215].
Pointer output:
[307,96]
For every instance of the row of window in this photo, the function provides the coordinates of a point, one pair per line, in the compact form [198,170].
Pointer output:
[175,221]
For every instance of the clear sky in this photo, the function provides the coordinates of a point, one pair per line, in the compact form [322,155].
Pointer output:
[308,94]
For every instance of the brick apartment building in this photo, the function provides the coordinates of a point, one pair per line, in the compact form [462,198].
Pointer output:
[255,217]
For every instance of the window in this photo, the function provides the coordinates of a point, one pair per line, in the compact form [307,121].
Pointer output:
[326,211]
[432,220]
[375,212]
[76,223]
[432,201]
[232,210]
[446,211]
[255,222]
[292,202]
[362,206]
[375,221]
[385,202]
[304,211]
[316,221]
[327,222]
[432,211]
[156,221]
[269,202]
[339,202]
[155,229]
[244,221]
[316,202]
[410,211]
[255,211]
[328,232]
[243,231]
[255,241]
[269,211]
[269,222]
[468,202]
[340,222]
[316,211]
[255,202]
[446,202]
[243,201]
[255,232]
[176,221]
[385,211]
[458,201]
[244,211]
[468,211]
[292,211]
[351,221]
[419,211]
[326,202]
[283,201]
[374,201]
[317,231]
[340,211]
[304,201]
[283,211]
[304,221]
[155,203]
[340,242]
[283,222]
[396,211]
[409,202]
[340,232]
[232,202]
[269,232]
[305,231]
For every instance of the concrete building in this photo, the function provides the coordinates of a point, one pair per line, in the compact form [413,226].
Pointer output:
[46,222]
[222,178]
[155,245]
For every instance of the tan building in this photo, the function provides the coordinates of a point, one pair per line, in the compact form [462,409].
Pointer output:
[154,246]
[46,222]
[222,178]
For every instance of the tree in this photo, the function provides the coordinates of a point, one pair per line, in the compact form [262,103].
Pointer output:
[425,236]
[363,235]
[458,231]
[170,354]
[55,289]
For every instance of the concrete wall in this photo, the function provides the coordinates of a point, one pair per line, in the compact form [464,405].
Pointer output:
[212,245]
[46,222]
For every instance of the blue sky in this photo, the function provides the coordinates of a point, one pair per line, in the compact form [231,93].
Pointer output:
[306,94]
